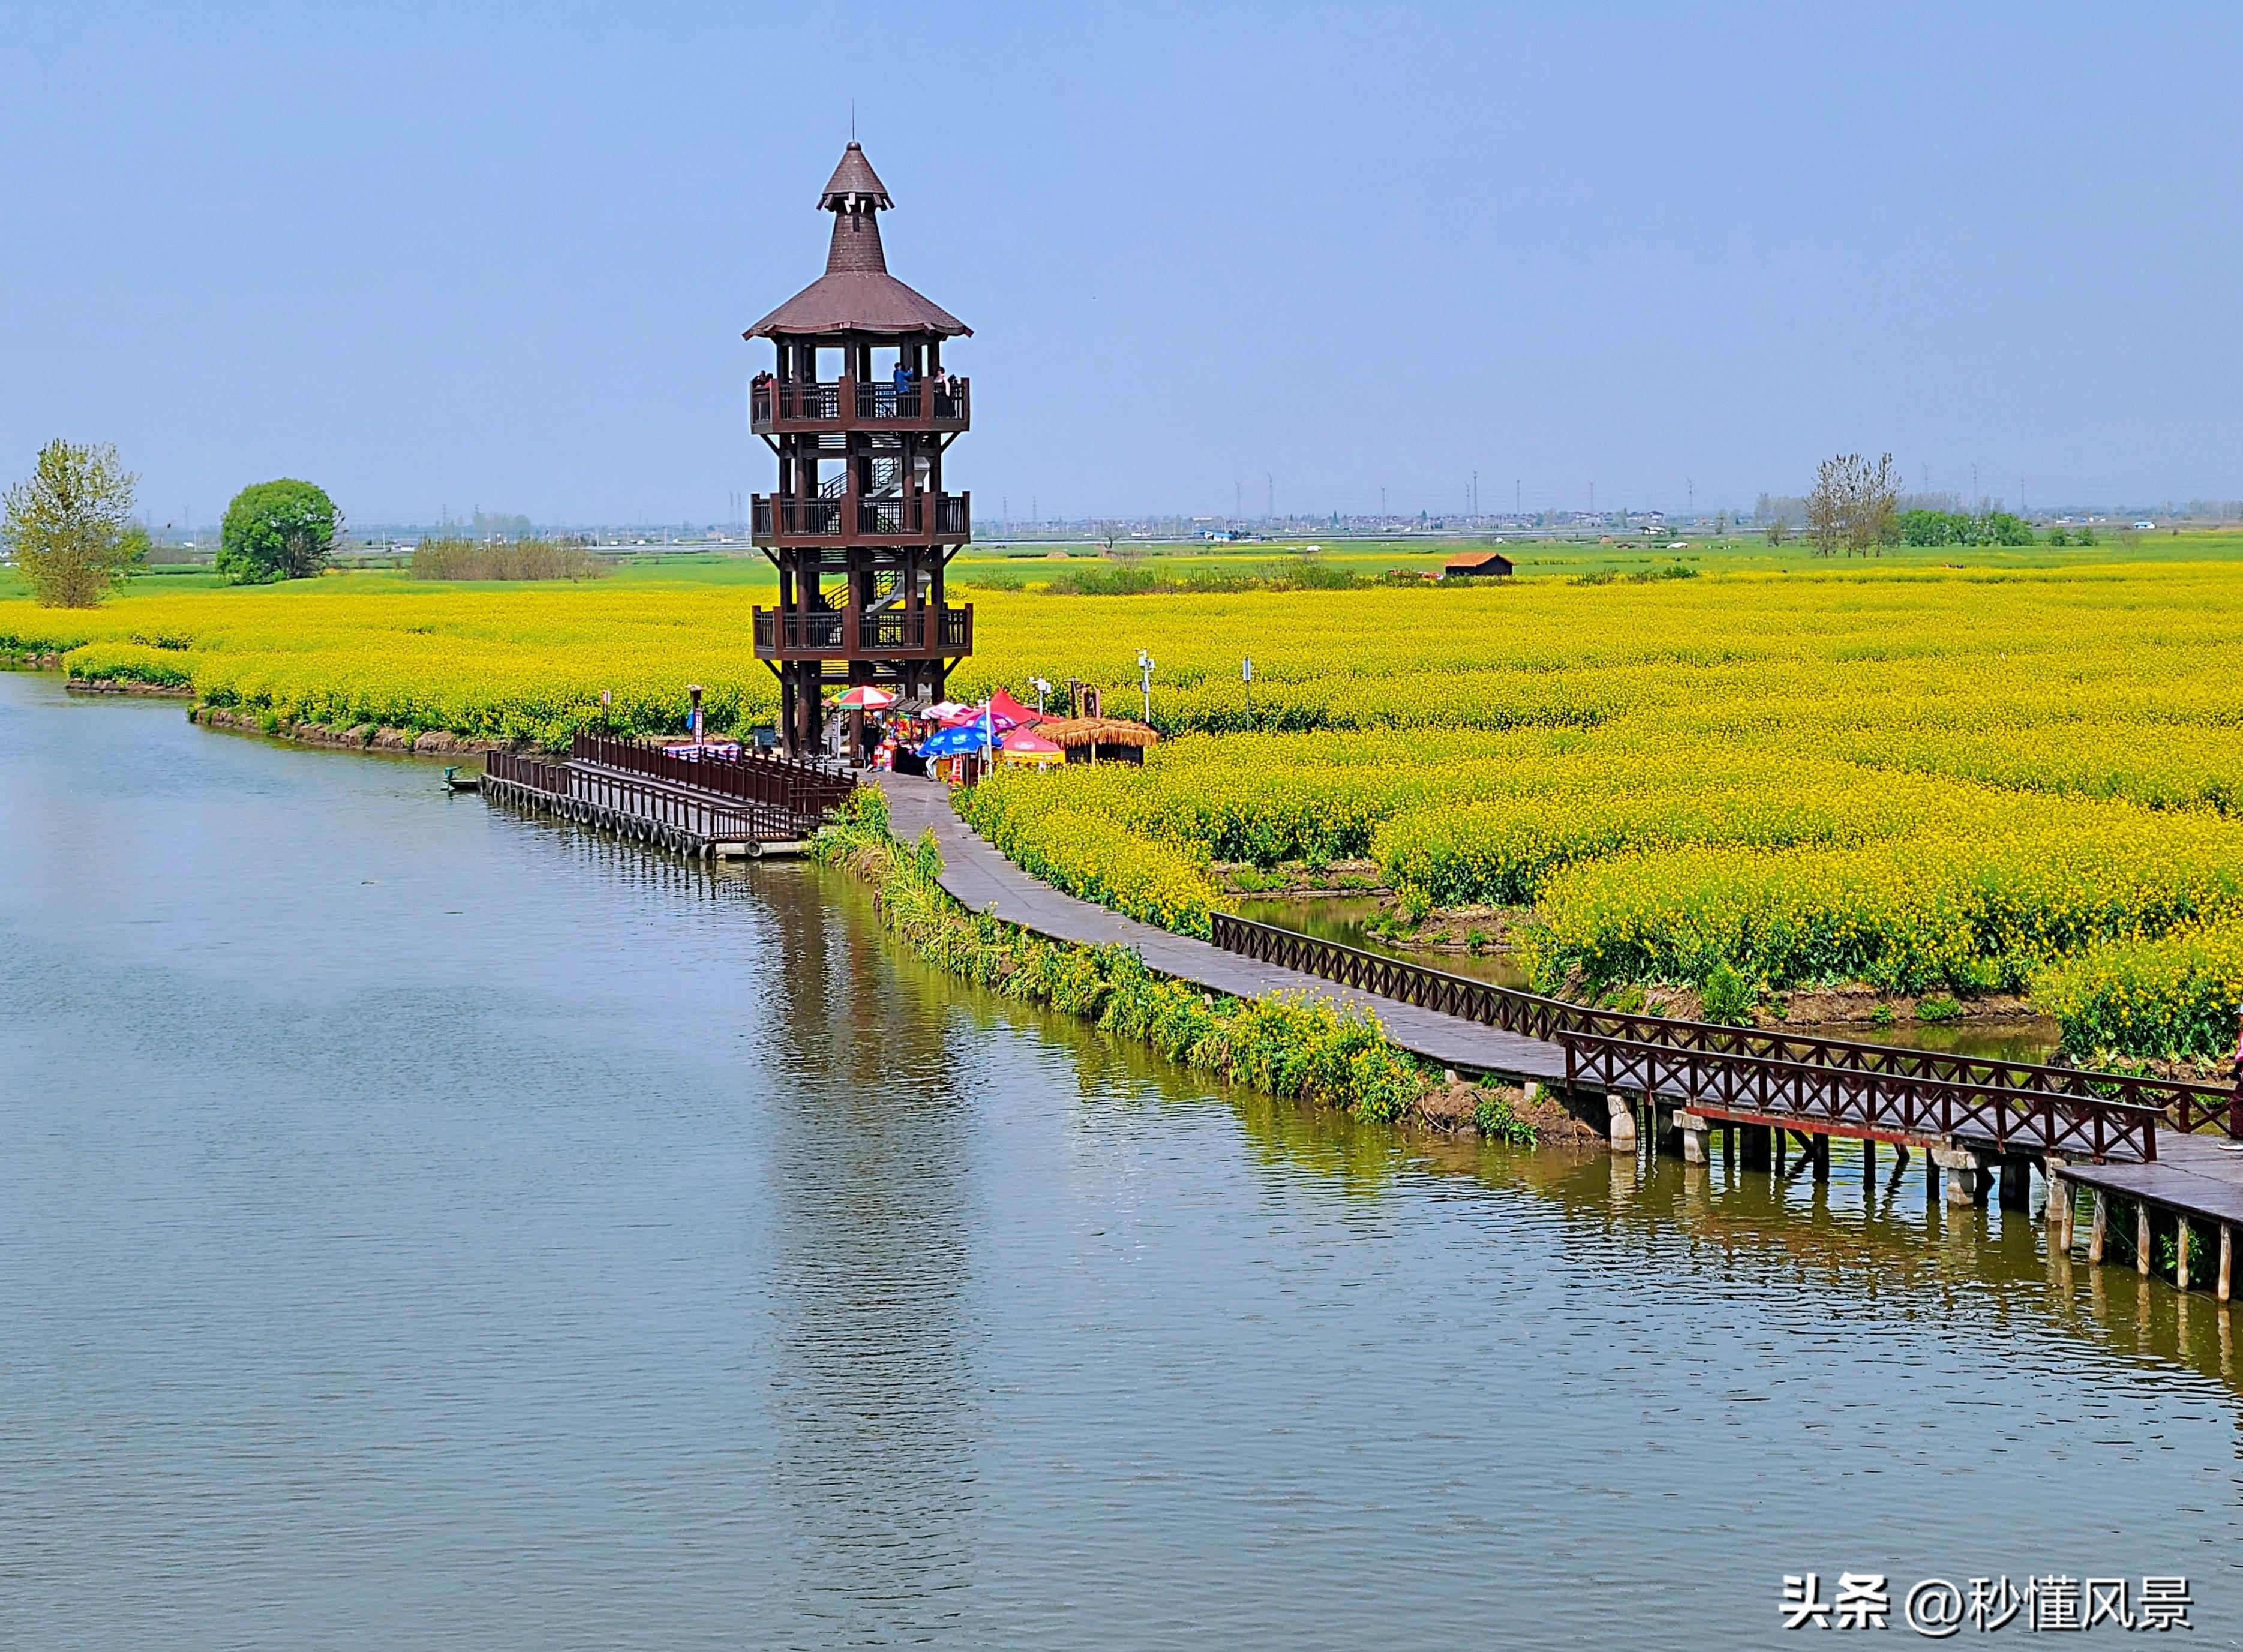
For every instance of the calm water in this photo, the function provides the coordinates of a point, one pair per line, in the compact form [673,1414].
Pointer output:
[422,1226]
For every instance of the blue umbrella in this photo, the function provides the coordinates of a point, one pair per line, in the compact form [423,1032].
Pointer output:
[973,737]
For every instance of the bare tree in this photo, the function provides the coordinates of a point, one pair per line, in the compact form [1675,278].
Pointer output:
[1854,505]
[1874,522]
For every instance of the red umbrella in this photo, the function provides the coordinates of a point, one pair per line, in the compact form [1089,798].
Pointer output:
[865,697]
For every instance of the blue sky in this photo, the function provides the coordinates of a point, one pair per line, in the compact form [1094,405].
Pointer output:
[450,256]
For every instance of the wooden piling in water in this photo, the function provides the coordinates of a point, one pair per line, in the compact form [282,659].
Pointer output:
[2102,1224]
[1755,1148]
[2226,1259]
[2180,1250]
[2142,1237]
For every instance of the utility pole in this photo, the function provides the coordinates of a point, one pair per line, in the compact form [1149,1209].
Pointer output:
[1475,494]
[1592,498]
[1269,508]
[1515,486]
[1145,681]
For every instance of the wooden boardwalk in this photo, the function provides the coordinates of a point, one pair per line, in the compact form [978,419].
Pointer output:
[983,881]
[1688,1084]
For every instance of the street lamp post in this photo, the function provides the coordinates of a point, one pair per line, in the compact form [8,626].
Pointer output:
[1145,680]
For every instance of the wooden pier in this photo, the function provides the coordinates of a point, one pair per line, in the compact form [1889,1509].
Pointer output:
[703,806]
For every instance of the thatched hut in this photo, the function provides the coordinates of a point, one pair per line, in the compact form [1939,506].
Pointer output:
[1100,739]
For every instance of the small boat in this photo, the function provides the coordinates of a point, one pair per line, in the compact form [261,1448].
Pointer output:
[455,781]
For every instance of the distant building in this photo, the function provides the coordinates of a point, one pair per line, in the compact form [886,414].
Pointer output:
[1477,565]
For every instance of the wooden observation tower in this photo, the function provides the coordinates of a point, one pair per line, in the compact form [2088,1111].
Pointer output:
[859,412]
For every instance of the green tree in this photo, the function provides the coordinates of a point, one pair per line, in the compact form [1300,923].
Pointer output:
[1776,532]
[2000,528]
[1933,527]
[280,530]
[69,524]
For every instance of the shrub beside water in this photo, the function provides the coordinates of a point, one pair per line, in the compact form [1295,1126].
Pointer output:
[1292,1046]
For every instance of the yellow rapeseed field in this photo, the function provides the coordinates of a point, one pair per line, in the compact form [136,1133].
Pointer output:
[1927,778]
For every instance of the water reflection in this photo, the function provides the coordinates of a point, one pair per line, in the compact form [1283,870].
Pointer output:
[873,1209]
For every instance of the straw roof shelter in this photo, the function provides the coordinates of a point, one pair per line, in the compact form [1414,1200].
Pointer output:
[1086,739]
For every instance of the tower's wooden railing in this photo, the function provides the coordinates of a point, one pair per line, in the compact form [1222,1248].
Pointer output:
[775,406]
[908,517]
[901,632]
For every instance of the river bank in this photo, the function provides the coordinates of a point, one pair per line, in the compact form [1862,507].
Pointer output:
[1296,1047]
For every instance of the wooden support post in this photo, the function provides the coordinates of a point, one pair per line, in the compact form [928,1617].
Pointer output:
[1869,1162]
[2181,1251]
[2058,1213]
[1755,1149]
[1692,1129]
[2017,1182]
[1730,1146]
[2102,1225]
[2142,1237]
[1782,1150]
[1818,1149]
[2226,1260]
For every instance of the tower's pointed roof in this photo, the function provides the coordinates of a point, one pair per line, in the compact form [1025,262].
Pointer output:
[857,295]
[854,177]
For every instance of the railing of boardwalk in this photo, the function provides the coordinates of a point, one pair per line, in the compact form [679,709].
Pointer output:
[1837,1080]
[800,792]
[527,771]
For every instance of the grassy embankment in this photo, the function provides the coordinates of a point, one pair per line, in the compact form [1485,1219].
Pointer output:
[1293,1046]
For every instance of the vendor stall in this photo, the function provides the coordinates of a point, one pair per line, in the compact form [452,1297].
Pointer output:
[1100,739]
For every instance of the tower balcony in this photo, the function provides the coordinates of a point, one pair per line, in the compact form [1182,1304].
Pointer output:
[777,408]
[825,633]
[846,519]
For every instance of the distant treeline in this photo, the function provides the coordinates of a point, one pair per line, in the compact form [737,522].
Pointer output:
[1790,509]
[1127,579]
[505,559]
